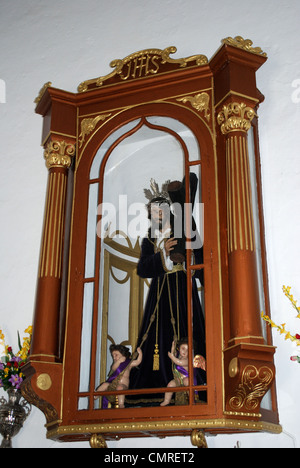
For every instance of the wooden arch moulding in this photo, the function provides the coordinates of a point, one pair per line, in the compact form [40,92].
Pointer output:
[215,102]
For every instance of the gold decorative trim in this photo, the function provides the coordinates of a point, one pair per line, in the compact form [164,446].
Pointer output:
[42,91]
[239,200]
[44,382]
[210,424]
[59,154]
[233,367]
[50,260]
[142,64]
[130,250]
[200,102]
[235,116]
[242,414]
[245,342]
[245,44]
[88,125]
[254,385]
[232,93]
[32,356]
[117,111]
[55,422]
[54,135]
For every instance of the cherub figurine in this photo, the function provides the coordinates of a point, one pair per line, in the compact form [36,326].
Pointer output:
[181,374]
[118,377]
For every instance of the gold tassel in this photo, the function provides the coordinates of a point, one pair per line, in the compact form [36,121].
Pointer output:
[156,359]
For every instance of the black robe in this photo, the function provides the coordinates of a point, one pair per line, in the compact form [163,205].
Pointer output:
[152,265]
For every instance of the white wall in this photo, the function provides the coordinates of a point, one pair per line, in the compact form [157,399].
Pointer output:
[69,41]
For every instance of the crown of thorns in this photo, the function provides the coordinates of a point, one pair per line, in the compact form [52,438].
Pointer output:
[154,192]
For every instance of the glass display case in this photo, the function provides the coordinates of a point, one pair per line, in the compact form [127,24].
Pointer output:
[132,338]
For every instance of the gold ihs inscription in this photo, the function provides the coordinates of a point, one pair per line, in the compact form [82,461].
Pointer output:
[142,64]
[139,67]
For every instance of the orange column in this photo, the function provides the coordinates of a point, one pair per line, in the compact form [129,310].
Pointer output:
[45,340]
[245,325]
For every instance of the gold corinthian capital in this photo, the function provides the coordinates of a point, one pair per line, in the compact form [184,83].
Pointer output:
[59,154]
[235,117]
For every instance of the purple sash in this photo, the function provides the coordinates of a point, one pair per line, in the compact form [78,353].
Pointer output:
[185,373]
[112,377]
[182,371]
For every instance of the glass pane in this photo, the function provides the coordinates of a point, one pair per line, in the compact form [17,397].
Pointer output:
[142,291]
[199,350]
[267,400]
[197,226]
[83,403]
[91,232]
[183,131]
[255,210]
[129,169]
[94,173]
[86,337]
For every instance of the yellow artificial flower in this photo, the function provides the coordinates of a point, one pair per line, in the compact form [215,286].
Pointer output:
[288,336]
[24,351]
[287,293]
[2,339]
[281,329]
[29,330]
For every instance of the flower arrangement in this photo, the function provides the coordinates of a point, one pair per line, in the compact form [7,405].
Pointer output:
[281,328]
[11,375]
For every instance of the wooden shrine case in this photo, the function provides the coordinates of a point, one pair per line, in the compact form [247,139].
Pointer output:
[153,117]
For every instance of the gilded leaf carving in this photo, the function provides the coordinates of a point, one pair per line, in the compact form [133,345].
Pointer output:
[88,125]
[200,102]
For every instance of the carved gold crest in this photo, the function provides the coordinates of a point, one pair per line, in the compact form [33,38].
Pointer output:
[143,64]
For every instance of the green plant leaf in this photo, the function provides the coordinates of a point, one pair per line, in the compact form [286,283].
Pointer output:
[19,341]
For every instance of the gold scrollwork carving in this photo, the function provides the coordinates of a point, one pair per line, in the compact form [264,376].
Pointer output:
[235,116]
[41,92]
[245,44]
[198,59]
[59,154]
[88,125]
[46,408]
[200,102]
[142,64]
[254,385]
